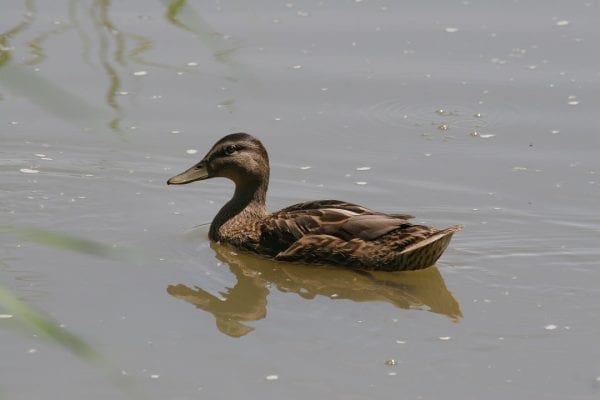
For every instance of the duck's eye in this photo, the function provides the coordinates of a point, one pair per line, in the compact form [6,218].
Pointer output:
[229,150]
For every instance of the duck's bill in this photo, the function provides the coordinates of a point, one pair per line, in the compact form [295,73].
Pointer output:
[196,173]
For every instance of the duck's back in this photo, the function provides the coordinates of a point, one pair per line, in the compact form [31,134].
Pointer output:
[336,232]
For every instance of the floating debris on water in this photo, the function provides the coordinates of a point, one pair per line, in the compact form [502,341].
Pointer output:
[154,376]
[445,337]
[486,136]
[192,64]
[478,115]
[392,373]
[400,341]
[29,171]
[550,327]
[5,316]
[391,362]
[140,73]
[443,127]
[297,67]
[305,167]
[563,22]
[191,151]
[519,168]
[363,168]
[451,29]
[272,377]
[361,183]
[572,100]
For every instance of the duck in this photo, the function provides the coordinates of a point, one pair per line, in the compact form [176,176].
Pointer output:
[321,232]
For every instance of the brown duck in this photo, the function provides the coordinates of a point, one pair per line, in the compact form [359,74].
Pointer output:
[315,232]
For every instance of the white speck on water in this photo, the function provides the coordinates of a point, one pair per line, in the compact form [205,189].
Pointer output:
[392,373]
[29,171]
[363,168]
[532,67]
[140,73]
[297,67]
[391,362]
[31,351]
[555,131]
[487,136]
[14,122]
[40,155]
[305,167]
[445,337]
[361,183]
[562,22]
[519,168]
[175,131]
[334,295]
[191,151]
[123,93]
[154,376]
[272,377]
[192,64]
[400,341]
[451,29]
[550,327]
[277,118]
[572,100]
[427,154]
[5,316]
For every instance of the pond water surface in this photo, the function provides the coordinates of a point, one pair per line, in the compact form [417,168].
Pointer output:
[473,112]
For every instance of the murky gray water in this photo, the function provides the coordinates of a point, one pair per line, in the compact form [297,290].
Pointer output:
[467,112]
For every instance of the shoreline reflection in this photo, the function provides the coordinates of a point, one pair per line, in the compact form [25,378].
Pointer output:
[247,300]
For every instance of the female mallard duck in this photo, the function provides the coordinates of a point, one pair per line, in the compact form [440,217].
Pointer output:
[318,232]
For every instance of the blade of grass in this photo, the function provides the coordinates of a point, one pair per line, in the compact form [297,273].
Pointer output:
[64,242]
[31,320]
[34,321]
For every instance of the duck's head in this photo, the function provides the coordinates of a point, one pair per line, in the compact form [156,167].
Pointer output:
[238,156]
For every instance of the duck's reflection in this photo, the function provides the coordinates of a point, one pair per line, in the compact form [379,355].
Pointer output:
[247,300]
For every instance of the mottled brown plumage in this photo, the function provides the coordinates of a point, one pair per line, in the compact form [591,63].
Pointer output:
[319,232]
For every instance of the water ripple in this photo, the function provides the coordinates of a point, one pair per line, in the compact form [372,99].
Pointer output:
[397,112]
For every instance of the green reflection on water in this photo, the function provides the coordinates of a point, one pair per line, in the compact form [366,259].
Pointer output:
[247,300]
[116,50]
[182,15]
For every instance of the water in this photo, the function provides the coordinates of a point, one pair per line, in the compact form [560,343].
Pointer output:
[464,112]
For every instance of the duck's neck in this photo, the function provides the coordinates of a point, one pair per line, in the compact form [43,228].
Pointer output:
[247,205]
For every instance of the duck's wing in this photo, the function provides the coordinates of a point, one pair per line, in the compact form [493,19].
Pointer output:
[336,205]
[323,204]
[283,228]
